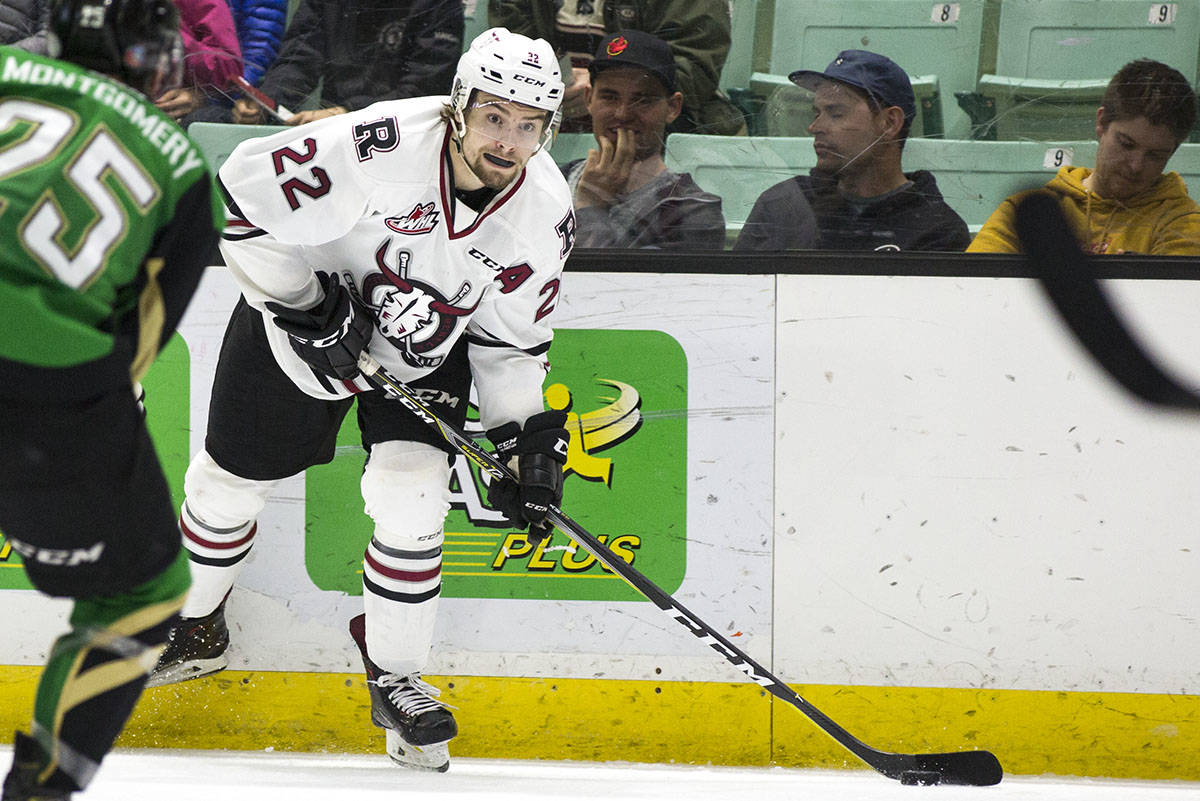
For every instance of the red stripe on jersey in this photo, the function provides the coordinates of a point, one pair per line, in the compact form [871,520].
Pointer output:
[446,189]
[350,386]
[402,575]
[218,546]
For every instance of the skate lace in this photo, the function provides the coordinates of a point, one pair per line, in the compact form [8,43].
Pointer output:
[411,694]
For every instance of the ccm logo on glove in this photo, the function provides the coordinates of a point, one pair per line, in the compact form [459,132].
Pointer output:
[330,336]
[537,453]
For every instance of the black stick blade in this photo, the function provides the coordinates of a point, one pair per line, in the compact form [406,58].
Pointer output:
[1069,279]
[975,768]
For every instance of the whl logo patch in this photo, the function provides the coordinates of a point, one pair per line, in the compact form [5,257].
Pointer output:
[421,220]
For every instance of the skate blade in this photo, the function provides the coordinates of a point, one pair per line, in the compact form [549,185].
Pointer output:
[435,756]
[186,671]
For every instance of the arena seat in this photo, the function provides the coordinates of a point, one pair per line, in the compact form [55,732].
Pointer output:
[740,61]
[475,21]
[570,146]
[973,176]
[976,176]
[738,168]
[217,140]
[937,44]
[1055,57]
[1186,162]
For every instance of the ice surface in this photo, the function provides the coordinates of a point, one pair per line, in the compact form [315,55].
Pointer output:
[265,776]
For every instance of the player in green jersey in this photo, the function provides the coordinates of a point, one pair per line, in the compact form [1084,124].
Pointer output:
[108,217]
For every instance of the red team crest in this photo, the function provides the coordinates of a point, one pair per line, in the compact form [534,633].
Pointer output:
[617,46]
[421,220]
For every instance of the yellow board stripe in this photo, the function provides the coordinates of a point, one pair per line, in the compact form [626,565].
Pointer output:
[1122,735]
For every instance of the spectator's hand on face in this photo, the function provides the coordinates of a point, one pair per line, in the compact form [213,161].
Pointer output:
[574,101]
[301,117]
[178,103]
[606,172]
[247,112]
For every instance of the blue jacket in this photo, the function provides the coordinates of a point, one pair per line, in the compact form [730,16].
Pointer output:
[260,25]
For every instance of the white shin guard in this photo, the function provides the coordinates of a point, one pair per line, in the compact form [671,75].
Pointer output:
[406,490]
[218,527]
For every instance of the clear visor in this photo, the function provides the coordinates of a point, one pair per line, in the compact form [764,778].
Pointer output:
[512,124]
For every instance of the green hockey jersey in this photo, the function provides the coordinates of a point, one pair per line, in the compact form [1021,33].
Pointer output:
[108,217]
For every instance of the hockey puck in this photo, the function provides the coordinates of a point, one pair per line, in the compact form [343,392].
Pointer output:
[920,777]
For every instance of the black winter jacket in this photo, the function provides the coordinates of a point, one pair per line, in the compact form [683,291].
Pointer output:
[366,51]
[916,218]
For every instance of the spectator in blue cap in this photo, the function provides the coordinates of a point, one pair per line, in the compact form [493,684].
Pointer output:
[858,195]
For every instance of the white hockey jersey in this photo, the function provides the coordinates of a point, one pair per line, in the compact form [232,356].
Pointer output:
[369,195]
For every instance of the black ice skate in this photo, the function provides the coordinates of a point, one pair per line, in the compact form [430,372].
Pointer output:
[28,761]
[417,725]
[195,647]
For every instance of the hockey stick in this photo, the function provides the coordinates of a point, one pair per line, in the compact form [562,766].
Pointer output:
[266,103]
[1068,277]
[961,767]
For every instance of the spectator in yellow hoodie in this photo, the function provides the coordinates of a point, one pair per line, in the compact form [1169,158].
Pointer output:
[1125,204]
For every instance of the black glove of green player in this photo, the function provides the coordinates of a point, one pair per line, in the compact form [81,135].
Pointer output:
[331,335]
[540,449]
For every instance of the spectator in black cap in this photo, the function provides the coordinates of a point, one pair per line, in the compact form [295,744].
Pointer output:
[625,197]
[698,31]
[859,194]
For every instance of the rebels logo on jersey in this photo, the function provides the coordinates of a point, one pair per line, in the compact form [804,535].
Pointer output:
[421,220]
[413,315]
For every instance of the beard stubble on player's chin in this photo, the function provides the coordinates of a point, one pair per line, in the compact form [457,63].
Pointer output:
[495,171]
[499,161]
[492,174]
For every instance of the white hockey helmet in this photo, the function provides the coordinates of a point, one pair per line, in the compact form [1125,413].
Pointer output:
[513,67]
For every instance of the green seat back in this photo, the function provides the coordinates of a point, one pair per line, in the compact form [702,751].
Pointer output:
[973,176]
[924,38]
[739,63]
[475,21]
[976,176]
[1073,39]
[1055,57]
[570,146]
[217,140]
[738,168]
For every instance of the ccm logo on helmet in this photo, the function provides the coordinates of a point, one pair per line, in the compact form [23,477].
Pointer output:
[528,80]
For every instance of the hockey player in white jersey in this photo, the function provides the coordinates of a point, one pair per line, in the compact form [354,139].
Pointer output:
[430,232]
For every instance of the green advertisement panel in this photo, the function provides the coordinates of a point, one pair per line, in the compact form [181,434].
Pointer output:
[167,389]
[626,396]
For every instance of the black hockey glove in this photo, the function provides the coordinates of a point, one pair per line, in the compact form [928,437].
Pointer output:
[540,450]
[331,335]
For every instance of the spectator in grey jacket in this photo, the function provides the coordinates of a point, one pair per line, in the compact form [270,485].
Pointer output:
[23,24]
[625,197]
[361,51]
